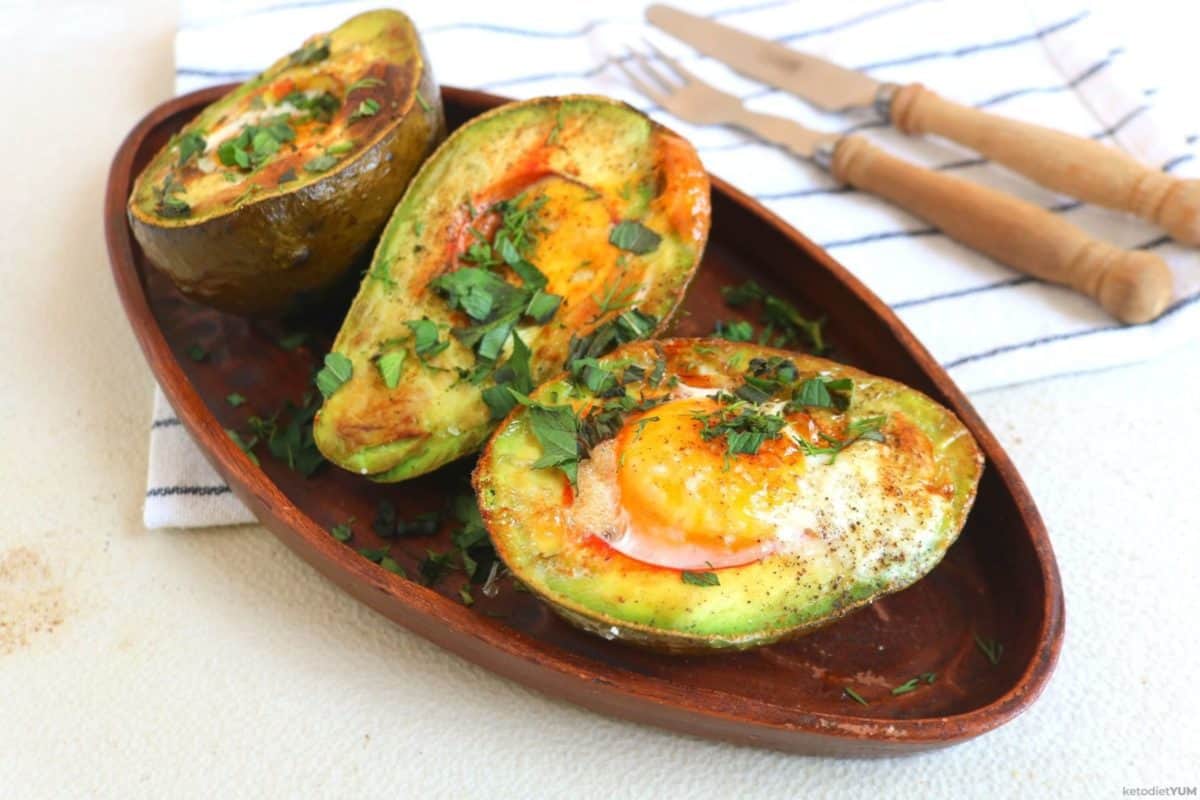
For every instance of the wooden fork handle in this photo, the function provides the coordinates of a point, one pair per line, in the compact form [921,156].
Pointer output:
[1133,286]
[1079,167]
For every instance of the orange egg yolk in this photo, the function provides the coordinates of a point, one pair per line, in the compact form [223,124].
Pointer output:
[685,502]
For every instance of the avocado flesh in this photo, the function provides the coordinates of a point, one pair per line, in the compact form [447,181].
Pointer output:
[255,239]
[585,164]
[936,466]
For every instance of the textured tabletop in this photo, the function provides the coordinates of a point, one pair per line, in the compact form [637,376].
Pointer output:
[215,663]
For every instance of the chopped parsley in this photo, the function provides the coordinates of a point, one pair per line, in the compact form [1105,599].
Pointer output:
[168,205]
[909,685]
[245,444]
[190,144]
[389,365]
[310,52]
[320,107]
[556,428]
[991,649]
[862,429]
[435,566]
[700,578]
[340,148]
[634,237]
[322,163]
[289,436]
[291,341]
[234,399]
[367,108]
[423,103]
[743,426]
[783,324]
[365,82]
[853,695]
[425,339]
[255,144]
[342,532]
[824,393]
[736,331]
[197,353]
[337,371]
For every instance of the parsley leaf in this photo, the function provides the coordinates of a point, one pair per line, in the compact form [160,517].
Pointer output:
[784,324]
[337,370]
[234,399]
[197,353]
[310,52]
[190,144]
[321,163]
[425,338]
[556,428]
[700,578]
[364,83]
[634,237]
[246,445]
[342,531]
[736,331]
[853,695]
[367,108]
[389,365]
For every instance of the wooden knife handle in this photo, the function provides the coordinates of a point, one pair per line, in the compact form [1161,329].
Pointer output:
[1068,164]
[1133,286]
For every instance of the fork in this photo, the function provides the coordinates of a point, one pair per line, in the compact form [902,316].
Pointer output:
[1132,285]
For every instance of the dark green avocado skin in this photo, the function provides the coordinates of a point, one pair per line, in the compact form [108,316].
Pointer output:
[265,257]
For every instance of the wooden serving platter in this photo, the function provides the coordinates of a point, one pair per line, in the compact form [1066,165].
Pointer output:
[999,581]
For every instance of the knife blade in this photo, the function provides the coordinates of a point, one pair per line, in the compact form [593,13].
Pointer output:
[822,83]
[1073,165]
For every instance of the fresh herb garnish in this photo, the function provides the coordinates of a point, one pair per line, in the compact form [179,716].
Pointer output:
[425,339]
[337,370]
[700,578]
[287,176]
[393,566]
[291,441]
[853,695]
[556,428]
[909,685]
[190,144]
[342,531]
[168,205]
[423,103]
[310,53]
[197,353]
[928,677]
[367,108]
[290,341]
[389,365]
[322,163]
[320,107]
[254,145]
[435,566]
[744,427]
[824,393]
[634,237]
[991,649]
[234,399]
[364,83]
[864,429]
[340,148]
[783,323]
[245,444]
[614,299]
[736,331]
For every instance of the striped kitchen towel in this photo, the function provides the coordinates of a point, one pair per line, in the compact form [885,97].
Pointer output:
[1055,63]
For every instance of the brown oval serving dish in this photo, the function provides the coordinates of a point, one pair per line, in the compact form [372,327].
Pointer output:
[999,584]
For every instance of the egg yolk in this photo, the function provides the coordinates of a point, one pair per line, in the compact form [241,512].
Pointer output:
[684,502]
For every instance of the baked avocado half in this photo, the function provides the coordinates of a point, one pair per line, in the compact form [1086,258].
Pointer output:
[277,188]
[698,495]
[541,229]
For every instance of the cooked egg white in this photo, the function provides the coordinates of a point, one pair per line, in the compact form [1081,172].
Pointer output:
[659,493]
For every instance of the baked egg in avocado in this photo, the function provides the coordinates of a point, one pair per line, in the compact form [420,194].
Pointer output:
[696,494]
[277,188]
[541,229]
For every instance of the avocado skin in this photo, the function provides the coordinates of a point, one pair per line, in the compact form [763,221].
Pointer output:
[259,259]
[434,417]
[607,594]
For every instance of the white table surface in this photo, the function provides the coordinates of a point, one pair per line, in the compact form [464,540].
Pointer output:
[215,663]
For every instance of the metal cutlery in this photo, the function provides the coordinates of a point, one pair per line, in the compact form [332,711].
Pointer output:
[1072,165]
[1133,286]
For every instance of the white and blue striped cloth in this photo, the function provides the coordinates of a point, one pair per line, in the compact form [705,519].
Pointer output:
[1055,63]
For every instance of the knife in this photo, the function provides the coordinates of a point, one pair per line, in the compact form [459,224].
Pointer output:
[1071,165]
